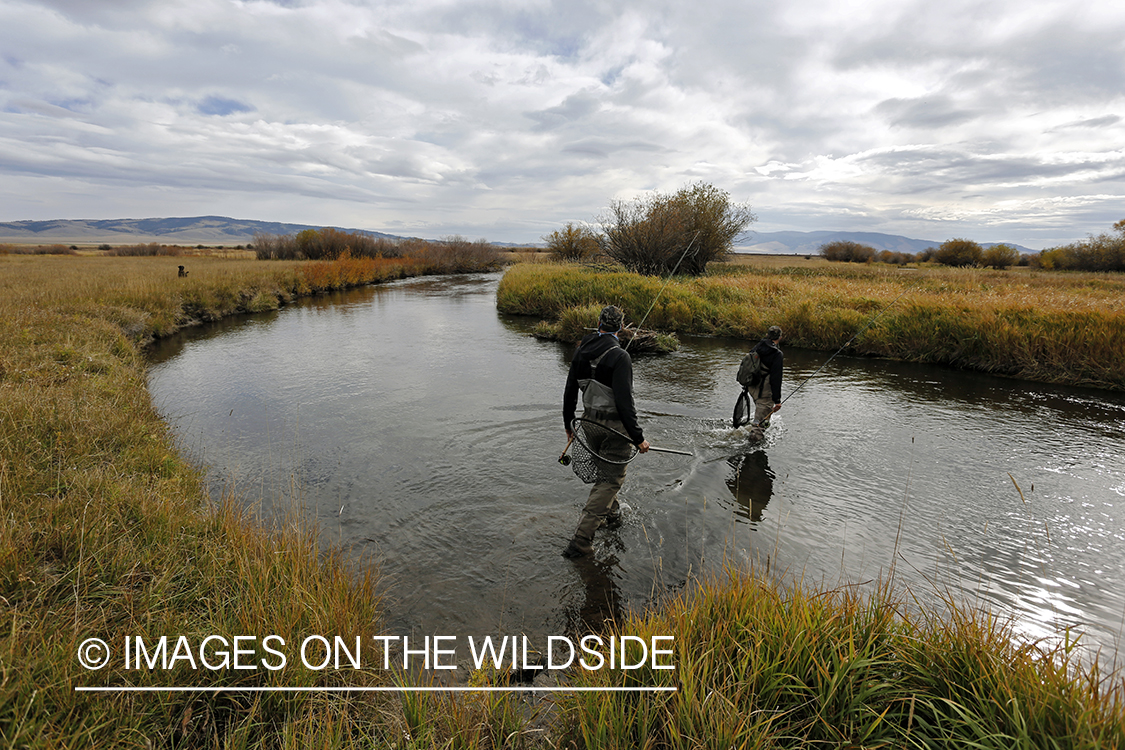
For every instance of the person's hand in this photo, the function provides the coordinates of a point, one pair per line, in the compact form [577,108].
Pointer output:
[776,408]
[570,435]
[643,446]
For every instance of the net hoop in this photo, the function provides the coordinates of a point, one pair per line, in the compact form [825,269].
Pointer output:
[580,425]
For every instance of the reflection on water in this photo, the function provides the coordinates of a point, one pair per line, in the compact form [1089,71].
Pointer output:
[601,601]
[751,482]
[423,429]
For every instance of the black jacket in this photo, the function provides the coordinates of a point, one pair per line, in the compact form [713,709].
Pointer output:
[617,374]
[771,357]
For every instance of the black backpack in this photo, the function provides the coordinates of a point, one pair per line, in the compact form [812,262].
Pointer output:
[750,372]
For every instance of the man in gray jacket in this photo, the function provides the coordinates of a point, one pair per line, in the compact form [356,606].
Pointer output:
[603,371]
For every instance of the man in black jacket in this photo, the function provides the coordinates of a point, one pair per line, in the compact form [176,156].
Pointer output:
[767,397]
[603,371]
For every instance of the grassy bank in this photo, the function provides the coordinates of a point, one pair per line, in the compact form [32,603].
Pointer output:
[1049,327]
[107,532]
[758,667]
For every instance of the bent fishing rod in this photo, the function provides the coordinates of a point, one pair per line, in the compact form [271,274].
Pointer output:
[855,335]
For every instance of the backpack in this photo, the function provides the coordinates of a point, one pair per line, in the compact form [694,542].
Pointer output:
[750,372]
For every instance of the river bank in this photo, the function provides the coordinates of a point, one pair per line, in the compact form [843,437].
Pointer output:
[1046,327]
[107,533]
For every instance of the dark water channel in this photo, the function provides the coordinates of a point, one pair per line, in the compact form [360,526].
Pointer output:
[422,428]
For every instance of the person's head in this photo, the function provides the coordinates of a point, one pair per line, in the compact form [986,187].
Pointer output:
[611,319]
[774,334]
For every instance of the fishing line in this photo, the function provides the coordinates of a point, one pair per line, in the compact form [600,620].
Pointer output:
[666,282]
[853,338]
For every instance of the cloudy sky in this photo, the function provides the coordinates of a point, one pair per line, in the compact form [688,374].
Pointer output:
[998,120]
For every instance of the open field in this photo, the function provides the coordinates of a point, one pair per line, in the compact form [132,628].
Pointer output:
[1044,326]
[107,532]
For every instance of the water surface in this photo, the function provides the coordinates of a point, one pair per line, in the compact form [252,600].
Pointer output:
[422,429]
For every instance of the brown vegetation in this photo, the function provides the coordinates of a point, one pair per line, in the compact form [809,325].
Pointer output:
[658,234]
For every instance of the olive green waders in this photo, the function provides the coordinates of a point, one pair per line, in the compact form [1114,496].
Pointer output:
[602,502]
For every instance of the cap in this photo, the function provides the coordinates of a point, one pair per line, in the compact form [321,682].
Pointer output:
[610,319]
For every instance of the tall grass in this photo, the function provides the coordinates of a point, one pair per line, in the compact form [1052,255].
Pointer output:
[1037,326]
[106,531]
[762,666]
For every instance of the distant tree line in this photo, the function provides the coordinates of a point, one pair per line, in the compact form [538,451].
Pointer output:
[1105,252]
[453,254]
[956,252]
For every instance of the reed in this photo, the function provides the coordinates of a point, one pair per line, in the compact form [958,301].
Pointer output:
[1049,327]
[759,665]
[107,531]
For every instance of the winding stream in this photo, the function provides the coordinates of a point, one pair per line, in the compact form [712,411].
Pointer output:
[423,428]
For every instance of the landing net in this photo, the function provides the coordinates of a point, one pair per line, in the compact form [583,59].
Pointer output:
[599,452]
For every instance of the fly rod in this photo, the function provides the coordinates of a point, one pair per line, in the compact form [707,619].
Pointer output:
[666,282]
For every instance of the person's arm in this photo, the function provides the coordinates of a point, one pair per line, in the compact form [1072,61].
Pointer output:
[775,378]
[570,400]
[623,398]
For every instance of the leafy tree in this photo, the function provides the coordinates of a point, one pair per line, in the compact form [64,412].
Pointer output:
[573,242]
[959,252]
[1105,252]
[1000,256]
[847,251]
[659,233]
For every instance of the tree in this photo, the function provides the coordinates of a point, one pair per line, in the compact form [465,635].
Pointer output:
[846,250]
[573,242]
[1000,256]
[659,233]
[959,252]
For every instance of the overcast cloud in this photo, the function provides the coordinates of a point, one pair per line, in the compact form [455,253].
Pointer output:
[504,119]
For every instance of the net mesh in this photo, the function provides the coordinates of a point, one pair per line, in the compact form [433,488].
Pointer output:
[743,410]
[598,453]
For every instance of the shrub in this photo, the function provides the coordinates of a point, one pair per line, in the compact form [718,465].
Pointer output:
[323,244]
[40,250]
[847,251]
[1106,252]
[152,248]
[1000,256]
[454,254]
[959,252]
[573,242]
[659,233]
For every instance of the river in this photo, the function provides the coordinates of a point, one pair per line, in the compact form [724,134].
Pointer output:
[422,429]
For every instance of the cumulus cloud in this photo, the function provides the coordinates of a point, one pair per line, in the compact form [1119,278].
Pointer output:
[505,118]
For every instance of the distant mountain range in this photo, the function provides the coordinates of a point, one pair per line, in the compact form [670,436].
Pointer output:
[808,243]
[211,230]
[222,230]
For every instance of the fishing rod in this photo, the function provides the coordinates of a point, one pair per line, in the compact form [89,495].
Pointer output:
[666,282]
[855,335]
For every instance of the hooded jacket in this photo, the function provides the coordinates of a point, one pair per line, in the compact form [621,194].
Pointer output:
[771,357]
[614,370]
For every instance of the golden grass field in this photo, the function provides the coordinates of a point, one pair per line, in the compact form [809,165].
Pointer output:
[1035,325]
[107,531]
